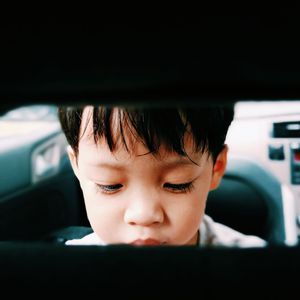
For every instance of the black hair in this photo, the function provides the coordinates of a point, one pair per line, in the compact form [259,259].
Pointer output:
[153,126]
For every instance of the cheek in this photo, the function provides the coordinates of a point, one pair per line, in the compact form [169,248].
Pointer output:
[105,215]
[185,217]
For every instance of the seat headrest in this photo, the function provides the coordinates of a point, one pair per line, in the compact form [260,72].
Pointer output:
[249,199]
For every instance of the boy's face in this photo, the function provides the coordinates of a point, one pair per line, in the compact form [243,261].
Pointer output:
[137,198]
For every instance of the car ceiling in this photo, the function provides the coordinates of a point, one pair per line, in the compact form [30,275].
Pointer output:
[218,58]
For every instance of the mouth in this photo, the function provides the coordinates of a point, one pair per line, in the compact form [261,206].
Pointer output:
[147,242]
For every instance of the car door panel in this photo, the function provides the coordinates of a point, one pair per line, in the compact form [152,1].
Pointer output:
[36,201]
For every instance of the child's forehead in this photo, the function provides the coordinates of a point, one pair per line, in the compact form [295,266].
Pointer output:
[100,155]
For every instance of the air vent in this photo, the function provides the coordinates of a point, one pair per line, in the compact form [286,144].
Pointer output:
[286,129]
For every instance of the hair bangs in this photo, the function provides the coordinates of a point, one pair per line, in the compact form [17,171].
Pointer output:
[124,127]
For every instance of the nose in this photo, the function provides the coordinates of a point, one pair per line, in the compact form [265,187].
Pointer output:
[144,211]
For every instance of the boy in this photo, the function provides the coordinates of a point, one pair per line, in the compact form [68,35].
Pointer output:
[146,173]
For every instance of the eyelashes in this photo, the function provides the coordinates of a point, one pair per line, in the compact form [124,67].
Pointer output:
[175,188]
[180,187]
[108,189]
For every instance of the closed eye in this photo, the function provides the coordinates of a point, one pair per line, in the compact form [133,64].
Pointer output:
[180,187]
[109,188]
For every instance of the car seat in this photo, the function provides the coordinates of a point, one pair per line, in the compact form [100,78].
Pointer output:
[253,201]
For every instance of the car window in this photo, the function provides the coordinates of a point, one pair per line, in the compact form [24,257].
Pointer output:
[27,119]
[264,109]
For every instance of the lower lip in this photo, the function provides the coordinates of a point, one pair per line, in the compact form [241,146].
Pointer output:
[148,242]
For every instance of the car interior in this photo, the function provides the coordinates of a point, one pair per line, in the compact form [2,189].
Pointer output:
[41,203]
[60,213]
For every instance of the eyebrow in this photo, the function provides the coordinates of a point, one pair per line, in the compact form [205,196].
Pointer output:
[172,164]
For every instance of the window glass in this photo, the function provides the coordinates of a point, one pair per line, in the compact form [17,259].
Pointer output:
[26,119]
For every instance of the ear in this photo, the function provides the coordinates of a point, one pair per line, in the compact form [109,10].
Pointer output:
[219,168]
[73,160]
